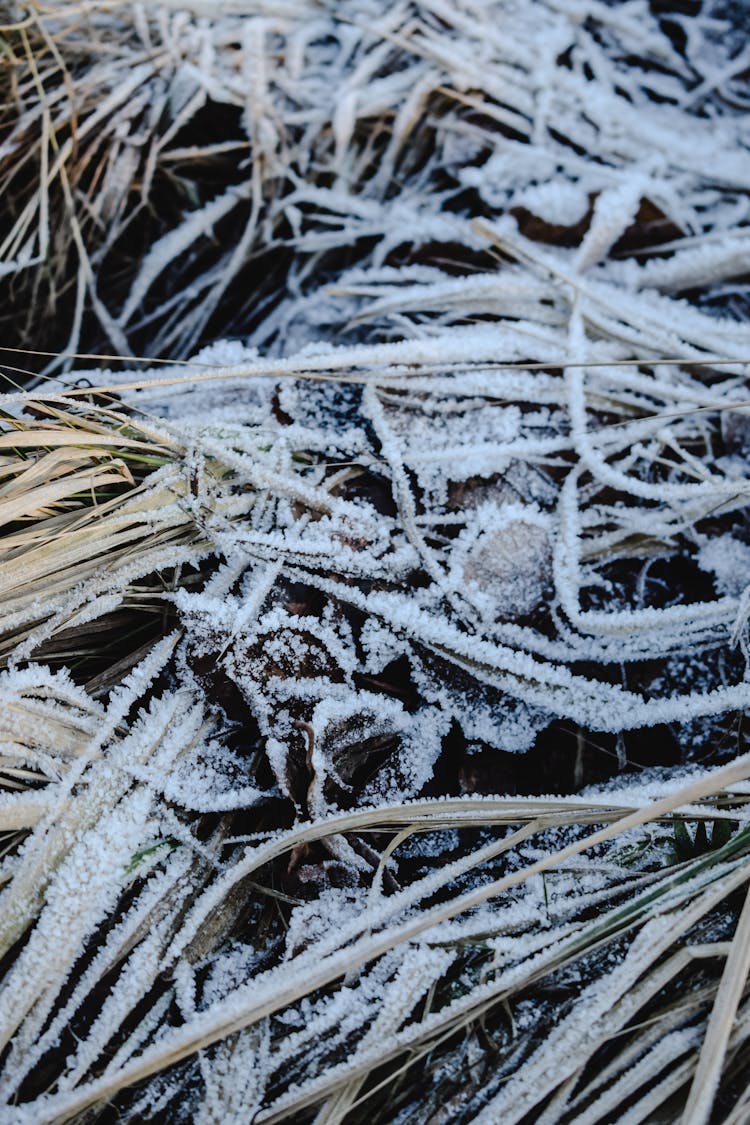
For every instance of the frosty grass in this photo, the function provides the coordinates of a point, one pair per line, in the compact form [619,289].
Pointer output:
[492,432]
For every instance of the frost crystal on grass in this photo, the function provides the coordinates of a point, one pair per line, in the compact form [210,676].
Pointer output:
[505,561]
[295,635]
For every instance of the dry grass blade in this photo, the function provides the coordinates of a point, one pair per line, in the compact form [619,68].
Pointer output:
[720,1025]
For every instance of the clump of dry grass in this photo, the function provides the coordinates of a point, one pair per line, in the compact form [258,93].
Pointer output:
[167,179]
[531,960]
[263,621]
[92,501]
[629,955]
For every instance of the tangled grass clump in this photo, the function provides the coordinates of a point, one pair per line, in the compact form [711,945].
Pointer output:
[372,680]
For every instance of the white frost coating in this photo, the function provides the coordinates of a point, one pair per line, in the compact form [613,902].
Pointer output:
[614,211]
[461,483]
[503,561]
[558,203]
[82,892]
[728,559]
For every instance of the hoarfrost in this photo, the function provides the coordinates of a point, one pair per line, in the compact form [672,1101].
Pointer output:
[728,559]
[446,497]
